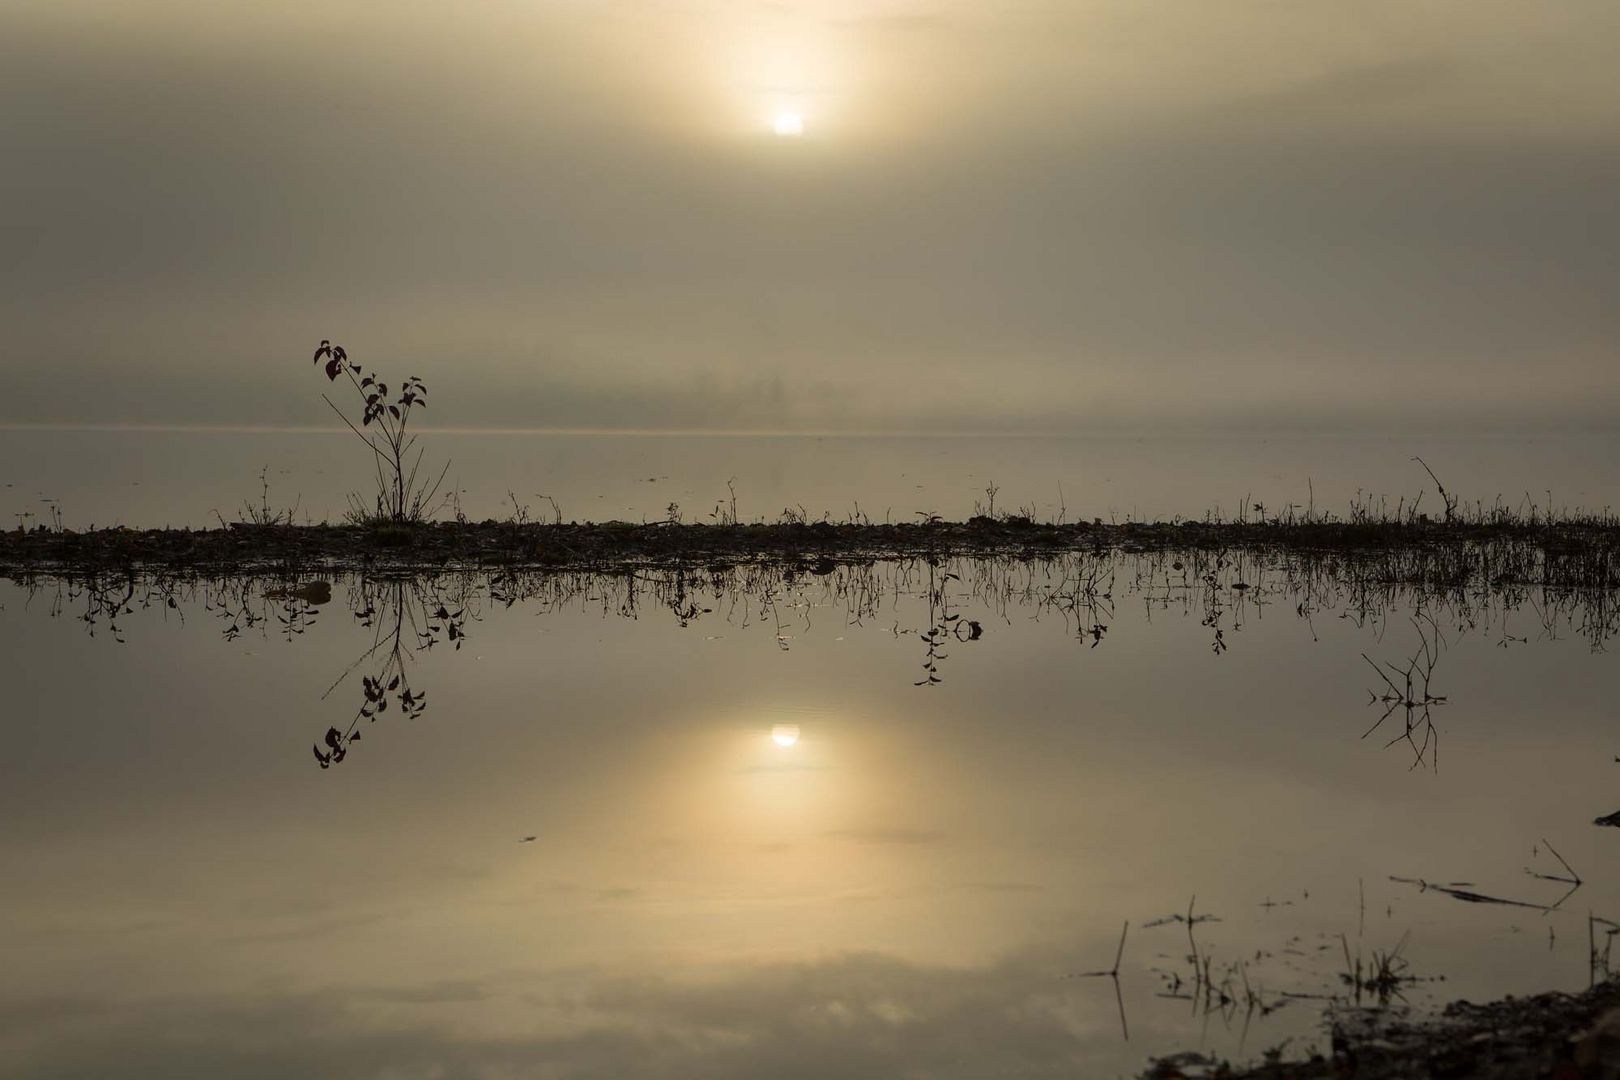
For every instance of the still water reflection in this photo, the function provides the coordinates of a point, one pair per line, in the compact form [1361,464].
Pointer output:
[839,820]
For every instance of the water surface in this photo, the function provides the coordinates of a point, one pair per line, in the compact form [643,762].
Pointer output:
[759,846]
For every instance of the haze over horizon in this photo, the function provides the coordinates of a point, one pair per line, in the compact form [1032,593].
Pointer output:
[1057,217]
[911,492]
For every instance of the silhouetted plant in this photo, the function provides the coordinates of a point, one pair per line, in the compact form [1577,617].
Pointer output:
[263,513]
[987,509]
[722,513]
[1378,980]
[402,497]
[53,514]
[1449,499]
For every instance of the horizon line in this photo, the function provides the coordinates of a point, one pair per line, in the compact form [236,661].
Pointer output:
[1129,432]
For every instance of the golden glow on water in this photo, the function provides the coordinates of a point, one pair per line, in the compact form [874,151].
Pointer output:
[810,836]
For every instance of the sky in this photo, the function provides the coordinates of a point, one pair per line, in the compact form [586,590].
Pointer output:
[1018,215]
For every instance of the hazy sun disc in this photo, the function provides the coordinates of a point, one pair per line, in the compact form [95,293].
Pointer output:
[785,734]
[788,124]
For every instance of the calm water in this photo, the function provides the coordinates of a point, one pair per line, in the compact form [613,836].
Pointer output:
[148,478]
[759,847]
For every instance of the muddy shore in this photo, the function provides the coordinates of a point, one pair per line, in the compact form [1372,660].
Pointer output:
[1575,554]
[1550,1035]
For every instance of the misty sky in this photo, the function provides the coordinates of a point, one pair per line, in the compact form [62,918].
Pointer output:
[1002,215]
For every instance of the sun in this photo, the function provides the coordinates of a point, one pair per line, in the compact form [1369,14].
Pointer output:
[788,124]
[785,734]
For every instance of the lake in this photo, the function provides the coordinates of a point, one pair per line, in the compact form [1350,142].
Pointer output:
[863,821]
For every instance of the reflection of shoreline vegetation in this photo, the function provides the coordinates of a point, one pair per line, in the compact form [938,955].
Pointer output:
[1514,590]
[1408,689]
[1511,592]
[407,616]
[1081,591]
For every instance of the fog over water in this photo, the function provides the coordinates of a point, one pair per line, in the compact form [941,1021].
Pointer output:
[180,478]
